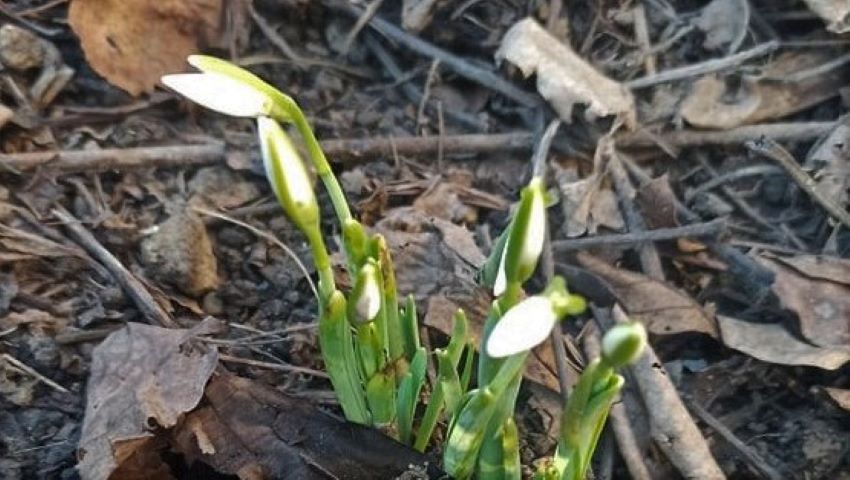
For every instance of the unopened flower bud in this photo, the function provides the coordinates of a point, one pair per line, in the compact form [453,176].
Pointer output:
[525,243]
[365,301]
[623,343]
[287,175]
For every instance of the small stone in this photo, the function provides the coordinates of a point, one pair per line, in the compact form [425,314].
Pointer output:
[20,49]
[180,253]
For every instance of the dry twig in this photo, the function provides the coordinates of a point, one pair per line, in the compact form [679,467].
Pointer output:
[777,153]
[132,286]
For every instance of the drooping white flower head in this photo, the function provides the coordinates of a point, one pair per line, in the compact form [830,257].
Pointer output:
[286,173]
[221,93]
[368,293]
[522,328]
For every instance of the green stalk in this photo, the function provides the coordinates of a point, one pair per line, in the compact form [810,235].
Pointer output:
[395,342]
[511,467]
[337,349]
[320,162]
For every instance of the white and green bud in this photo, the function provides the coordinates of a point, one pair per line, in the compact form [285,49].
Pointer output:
[288,176]
[623,343]
[525,243]
[366,299]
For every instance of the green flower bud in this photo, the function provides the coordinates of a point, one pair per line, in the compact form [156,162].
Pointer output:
[623,343]
[525,243]
[287,176]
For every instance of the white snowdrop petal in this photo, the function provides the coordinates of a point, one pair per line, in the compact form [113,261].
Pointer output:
[369,303]
[522,328]
[265,126]
[501,282]
[536,233]
[220,93]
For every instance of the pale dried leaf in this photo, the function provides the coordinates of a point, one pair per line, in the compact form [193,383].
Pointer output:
[724,23]
[836,13]
[563,77]
[132,43]
[819,267]
[662,308]
[417,14]
[142,377]
[822,306]
[773,94]
[771,342]
[841,396]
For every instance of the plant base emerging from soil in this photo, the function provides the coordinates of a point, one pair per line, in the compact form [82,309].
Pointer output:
[370,344]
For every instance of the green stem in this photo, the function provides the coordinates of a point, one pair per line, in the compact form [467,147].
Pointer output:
[323,168]
[322,261]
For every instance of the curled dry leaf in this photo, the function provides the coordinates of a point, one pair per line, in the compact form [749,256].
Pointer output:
[823,306]
[132,43]
[781,88]
[771,342]
[835,13]
[563,77]
[142,378]
[663,309]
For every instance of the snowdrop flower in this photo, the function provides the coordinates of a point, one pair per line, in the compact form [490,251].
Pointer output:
[366,295]
[221,93]
[623,343]
[522,328]
[525,243]
[287,175]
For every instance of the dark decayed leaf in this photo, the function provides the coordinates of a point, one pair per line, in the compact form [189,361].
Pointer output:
[143,378]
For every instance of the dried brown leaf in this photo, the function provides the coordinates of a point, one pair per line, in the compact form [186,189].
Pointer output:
[657,202]
[830,163]
[819,267]
[132,43]
[822,306]
[251,430]
[771,342]
[663,309]
[563,77]
[587,204]
[840,396]
[722,102]
[142,377]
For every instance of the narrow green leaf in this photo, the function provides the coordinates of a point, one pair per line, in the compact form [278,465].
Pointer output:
[337,348]
[512,468]
[408,394]
[410,327]
[380,394]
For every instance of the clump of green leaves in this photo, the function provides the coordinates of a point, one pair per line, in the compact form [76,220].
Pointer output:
[370,343]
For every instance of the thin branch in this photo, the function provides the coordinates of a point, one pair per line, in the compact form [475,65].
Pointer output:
[777,153]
